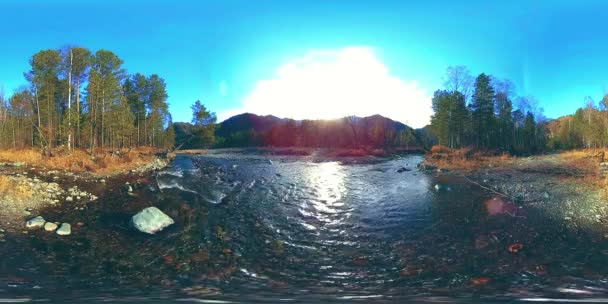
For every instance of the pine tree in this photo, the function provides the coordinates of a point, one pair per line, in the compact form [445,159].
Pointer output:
[44,77]
[504,122]
[109,74]
[529,133]
[449,120]
[483,111]
[136,91]
[80,64]
[204,125]
[157,109]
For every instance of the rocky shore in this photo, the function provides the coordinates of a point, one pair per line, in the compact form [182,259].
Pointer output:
[568,192]
[26,191]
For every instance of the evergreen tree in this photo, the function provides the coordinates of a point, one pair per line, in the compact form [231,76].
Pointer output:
[204,125]
[482,107]
[158,110]
[504,122]
[80,64]
[44,77]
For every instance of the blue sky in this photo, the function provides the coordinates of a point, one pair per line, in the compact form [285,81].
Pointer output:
[219,51]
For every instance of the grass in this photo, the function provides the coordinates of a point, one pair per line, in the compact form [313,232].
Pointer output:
[101,162]
[585,161]
[11,188]
[581,164]
[466,159]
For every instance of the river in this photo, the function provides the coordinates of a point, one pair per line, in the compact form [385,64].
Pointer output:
[257,228]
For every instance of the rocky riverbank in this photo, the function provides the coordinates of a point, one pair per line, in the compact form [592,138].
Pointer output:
[569,187]
[26,191]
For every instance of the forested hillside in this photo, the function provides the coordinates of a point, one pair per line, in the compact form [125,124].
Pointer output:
[78,98]
[586,128]
[250,130]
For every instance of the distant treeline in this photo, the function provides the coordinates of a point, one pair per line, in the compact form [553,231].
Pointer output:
[479,113]
[76,98]
[250,130]
[587,128]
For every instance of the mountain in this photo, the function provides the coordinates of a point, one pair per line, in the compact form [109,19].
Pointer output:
[245,122]
[251,130]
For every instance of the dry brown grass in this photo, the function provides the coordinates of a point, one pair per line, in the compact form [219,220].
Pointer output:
[466,159]
[586,163]
[193,151]
[101,162]
[14,189]
[582,165]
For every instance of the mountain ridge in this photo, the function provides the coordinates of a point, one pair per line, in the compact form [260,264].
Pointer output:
[375,131]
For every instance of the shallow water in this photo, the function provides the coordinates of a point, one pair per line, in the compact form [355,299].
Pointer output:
[256,228]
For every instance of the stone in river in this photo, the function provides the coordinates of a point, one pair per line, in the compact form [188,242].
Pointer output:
[64,229]
[35,222]
[151,220]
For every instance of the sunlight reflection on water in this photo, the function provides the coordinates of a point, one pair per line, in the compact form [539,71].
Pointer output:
[326,182]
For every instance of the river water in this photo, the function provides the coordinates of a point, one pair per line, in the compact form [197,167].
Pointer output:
[255,228]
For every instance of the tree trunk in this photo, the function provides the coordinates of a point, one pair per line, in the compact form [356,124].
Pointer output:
[70,104]
[77,135]
[103,109]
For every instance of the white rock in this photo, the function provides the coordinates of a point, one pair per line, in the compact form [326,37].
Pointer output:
[151,220]
[49,226]
[64,229]
[35,222]
[69,199]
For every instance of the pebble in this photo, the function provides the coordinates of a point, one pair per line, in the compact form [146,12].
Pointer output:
[69,199]
[35,222]
[50,226]
[64,229]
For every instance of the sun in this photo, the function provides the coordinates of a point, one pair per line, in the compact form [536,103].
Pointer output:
[326,84]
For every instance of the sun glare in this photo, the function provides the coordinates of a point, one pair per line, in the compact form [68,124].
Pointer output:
[326,84]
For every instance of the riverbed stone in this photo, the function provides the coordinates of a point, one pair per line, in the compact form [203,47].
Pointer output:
[151,220]
[403,169]
[69,199]
[64,229]
[50,226]
[35,222]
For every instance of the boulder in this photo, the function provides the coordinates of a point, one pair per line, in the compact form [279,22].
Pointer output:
[64,229]
[151,220]
[35,222]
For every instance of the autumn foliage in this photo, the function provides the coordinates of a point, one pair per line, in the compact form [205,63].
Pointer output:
[104,161]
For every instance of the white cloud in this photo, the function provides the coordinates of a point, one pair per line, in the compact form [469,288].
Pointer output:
[326,84]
